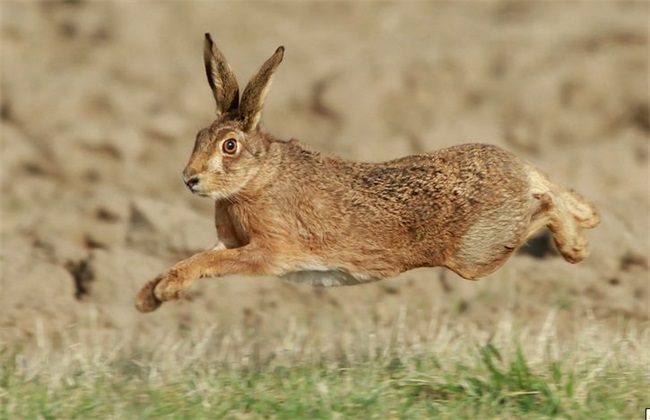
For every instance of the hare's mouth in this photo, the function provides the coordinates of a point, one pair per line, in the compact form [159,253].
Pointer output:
[195,189]
[192,183]
[207,192]
[200,191]
[195,185]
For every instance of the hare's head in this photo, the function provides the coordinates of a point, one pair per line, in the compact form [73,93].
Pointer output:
[226,154]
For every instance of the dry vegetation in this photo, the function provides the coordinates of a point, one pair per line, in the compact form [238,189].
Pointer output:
[100,104]
[433,369]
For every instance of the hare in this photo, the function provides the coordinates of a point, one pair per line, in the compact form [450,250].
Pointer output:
[282,209]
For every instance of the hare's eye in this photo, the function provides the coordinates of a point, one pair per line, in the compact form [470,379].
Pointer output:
[229,146]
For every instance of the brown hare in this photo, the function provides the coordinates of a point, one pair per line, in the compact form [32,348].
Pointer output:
[282,209]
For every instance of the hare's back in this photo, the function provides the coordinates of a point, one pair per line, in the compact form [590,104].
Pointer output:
[455,180]
[474,192]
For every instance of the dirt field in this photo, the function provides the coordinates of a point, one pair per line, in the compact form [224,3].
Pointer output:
[101,103]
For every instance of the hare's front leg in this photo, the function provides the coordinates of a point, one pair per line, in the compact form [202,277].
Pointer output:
[248,260]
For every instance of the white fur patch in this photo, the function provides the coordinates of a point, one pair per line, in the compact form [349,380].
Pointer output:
[219,246]
[215,163]
[320,275]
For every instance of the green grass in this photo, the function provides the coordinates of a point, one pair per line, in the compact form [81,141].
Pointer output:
[415,368]
[483,383]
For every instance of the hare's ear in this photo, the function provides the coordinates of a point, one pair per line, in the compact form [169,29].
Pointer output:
[220,77]
[252,100]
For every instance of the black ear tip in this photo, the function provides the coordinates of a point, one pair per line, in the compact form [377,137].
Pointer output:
[280,49]
[207,36]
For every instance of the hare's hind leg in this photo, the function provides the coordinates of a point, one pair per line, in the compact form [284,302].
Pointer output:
[494,237]
[566,232]
[566,214]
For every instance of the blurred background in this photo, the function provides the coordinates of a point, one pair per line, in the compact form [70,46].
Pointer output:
[101,102]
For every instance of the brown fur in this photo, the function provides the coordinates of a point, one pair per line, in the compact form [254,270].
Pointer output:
[285,210]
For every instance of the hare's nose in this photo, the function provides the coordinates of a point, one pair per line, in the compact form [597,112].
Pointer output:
[192,182]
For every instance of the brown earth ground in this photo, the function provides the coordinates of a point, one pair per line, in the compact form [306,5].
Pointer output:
[101,102]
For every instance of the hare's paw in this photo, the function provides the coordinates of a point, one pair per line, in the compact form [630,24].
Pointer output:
[146,300]
[165,287]
[575,251]
[170,287]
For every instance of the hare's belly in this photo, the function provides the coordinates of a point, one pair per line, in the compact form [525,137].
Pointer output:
[325,277]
